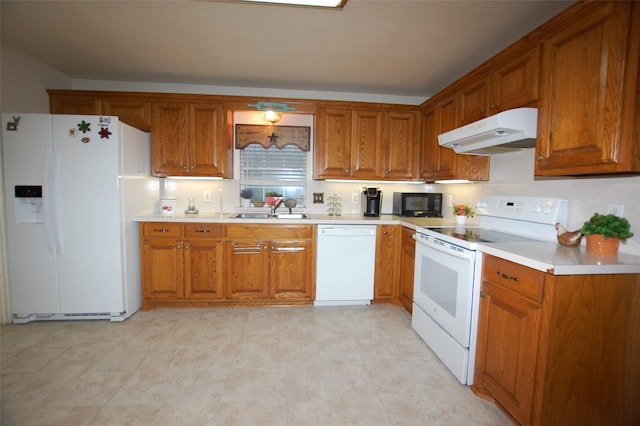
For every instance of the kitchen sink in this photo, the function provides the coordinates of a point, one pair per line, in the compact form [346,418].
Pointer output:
[268,216]
[291,216]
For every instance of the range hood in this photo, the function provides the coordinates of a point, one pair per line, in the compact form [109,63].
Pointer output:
[506,131]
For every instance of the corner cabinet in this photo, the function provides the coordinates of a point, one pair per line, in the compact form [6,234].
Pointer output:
[189,139]
[439,116]
[589,107]
[385,287]
[407,266]
[559,349]
[365,144]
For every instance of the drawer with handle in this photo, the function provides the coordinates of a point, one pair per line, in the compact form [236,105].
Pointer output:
[521,279]
[161,229]
[203,230]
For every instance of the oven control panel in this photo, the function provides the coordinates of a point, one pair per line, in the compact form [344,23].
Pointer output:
[543,210]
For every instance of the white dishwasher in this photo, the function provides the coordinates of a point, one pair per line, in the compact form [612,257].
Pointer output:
[345,264]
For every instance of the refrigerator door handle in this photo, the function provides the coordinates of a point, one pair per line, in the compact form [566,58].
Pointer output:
[57,205]
[47,205]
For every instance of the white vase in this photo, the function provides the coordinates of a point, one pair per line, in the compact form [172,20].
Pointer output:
[245,202]
[461,220]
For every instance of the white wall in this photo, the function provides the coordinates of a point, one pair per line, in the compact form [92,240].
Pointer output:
[512,174]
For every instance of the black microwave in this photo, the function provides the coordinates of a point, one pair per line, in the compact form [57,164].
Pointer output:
[417,204]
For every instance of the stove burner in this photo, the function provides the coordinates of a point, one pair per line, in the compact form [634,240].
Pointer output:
[477,234]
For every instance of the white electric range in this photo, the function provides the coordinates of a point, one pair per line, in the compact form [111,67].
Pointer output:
[448,267]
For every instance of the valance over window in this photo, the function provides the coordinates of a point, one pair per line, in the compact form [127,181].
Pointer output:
[273,136]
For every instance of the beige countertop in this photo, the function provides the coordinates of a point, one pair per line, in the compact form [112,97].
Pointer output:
[312,219]
[562,260]
[547,257]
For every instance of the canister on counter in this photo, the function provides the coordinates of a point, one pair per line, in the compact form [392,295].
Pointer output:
[167,206]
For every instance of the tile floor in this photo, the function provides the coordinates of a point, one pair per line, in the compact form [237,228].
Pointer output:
[247,366]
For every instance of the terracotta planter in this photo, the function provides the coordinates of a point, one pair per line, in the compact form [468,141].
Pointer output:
[596,244]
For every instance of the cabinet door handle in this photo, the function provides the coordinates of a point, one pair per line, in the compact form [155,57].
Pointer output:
[482,294]
[178,246]
[246,250]
[203,231]
[186,247]
[508,277]
[294,249]
[160,230]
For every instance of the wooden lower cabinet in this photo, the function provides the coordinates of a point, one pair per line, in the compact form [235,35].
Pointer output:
[406,269]
[559,349]
[207,264]
[395,257]
[180,263]
[162,266]
[272,264]
[385,288]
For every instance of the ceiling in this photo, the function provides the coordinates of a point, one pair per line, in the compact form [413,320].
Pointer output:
[389,47]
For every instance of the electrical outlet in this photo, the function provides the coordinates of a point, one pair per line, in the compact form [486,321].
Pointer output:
[354,198]
[207,196]
[616,209]
[449,201]
[318,198]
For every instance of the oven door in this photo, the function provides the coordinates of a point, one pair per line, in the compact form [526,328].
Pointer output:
[443,285]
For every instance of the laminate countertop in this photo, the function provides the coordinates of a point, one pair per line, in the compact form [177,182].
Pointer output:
[557,259]
[312,219]
[546,257]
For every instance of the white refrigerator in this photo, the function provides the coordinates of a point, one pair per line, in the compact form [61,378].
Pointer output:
[72,187]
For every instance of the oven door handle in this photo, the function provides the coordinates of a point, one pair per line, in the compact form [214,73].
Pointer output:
[457,252]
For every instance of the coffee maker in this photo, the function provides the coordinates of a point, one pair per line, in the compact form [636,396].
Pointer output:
[372,201]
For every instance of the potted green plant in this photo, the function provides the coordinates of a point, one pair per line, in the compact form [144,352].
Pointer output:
[604,233]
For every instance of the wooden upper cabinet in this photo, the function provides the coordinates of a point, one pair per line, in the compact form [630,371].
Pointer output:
[170,139]
[441,115]
[400,152]
[473,100]
[207,145]
[333,144]
[134,111]
[588,117]
[188,140]
[366,144]
[430,153]
[513,83]
[63,102]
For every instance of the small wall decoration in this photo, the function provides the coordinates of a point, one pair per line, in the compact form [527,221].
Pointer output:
[266,136]
[271,106]
[12,126]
